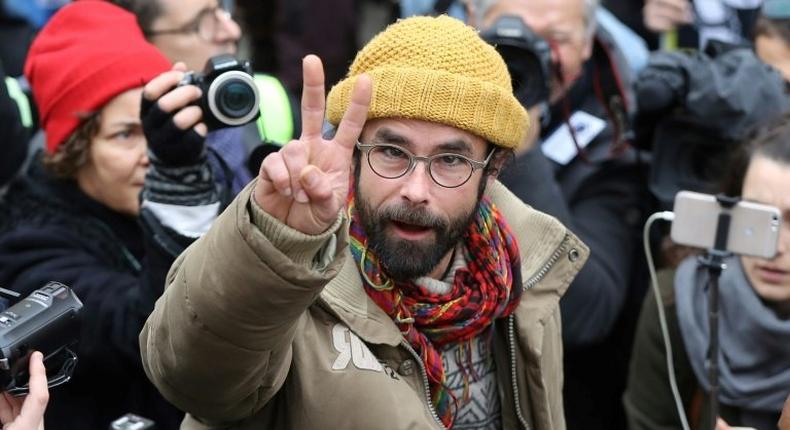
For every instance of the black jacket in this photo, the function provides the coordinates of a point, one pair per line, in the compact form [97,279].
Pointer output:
[50,230]
[602,197]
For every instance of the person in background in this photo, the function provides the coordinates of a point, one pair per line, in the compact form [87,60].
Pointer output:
[380,277]
[27,413]
[784,420]
[772,35]
[194,31]
[754,317]
[598,190]
[86,213]
[692,23]
[13,132]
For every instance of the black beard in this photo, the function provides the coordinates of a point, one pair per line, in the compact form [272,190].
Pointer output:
[405,260]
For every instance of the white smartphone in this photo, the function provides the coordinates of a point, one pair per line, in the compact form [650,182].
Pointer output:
[754,227]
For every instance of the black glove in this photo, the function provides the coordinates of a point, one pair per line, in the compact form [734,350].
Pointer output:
[169,144]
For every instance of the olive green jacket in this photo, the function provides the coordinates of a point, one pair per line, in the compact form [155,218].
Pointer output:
[257,331]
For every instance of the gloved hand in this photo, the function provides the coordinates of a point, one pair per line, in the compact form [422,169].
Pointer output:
[171,125]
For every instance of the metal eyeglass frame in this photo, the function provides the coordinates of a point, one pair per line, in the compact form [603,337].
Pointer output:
[193,26]
[476,165]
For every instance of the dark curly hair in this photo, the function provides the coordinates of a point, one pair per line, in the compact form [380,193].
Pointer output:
[72,153]
[146,11]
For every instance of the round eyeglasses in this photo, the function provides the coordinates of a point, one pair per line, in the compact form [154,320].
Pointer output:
[205,24]
[447,169]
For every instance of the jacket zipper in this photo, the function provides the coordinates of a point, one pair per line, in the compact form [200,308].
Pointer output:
[546,267]
[425,383]
[511,337]
[511,326]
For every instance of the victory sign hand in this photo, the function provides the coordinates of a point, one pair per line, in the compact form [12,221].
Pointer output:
[305,184]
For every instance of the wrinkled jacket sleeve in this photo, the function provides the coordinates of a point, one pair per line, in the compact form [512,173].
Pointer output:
[115,303]
[218,344]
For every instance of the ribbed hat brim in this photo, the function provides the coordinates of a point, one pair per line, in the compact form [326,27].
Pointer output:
[477,106]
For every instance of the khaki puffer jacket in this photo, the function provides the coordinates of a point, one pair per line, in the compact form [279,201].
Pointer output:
[256,331]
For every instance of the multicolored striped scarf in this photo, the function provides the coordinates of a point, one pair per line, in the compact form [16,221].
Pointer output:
[481,292]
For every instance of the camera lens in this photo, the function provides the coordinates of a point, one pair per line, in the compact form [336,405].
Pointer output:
[235,98]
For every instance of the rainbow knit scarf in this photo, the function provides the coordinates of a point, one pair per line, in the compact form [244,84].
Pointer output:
[481,292]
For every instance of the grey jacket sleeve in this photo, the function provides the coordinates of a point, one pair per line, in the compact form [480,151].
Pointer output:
[218,344]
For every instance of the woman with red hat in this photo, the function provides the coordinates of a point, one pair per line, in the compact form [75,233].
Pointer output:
[89,212]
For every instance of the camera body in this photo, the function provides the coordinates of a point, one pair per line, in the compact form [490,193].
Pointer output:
[230,97]
[695,108]
[48,321]
[528,58]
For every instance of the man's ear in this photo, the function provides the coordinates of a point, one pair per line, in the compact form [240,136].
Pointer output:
[497,163]
[490,180]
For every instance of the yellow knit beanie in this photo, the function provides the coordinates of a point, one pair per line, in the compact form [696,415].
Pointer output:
[438,70]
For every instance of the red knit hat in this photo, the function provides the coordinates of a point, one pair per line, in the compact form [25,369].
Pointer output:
[88,53]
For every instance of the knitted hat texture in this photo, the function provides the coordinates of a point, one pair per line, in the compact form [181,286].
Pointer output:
[436,69]
[88,53]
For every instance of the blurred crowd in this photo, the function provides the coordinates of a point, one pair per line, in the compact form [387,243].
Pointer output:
[111,170]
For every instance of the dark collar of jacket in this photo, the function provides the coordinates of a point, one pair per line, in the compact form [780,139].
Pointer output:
[38,199]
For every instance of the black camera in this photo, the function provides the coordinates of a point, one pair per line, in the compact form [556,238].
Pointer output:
[47,321]
[230,96]
[528,58]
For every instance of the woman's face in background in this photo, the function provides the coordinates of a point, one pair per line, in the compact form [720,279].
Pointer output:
[775,51]
[117,161]
[767,182]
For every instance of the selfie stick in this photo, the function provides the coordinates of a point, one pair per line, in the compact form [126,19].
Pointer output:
[713,260]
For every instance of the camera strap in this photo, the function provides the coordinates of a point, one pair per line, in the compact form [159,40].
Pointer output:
[64,373]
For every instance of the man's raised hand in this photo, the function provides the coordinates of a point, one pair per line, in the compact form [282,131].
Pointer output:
[305,184]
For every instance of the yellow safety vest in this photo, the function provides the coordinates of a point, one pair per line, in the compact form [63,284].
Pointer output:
[22,103]
[276,121]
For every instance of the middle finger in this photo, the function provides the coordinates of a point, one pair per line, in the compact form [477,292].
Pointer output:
[179,98]
[296,156]
[313,96]
[162,83]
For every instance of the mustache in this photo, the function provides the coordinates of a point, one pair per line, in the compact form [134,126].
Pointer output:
[413,215]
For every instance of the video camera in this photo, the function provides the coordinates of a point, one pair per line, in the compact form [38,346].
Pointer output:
[528,59]
[694,108]
[230,97]
[47,321]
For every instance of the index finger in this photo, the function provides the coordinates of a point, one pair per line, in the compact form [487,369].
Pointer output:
[163,83]
[313,97]
[36,402]
[356,114]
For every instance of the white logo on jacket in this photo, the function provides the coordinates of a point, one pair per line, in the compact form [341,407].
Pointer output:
[352,349]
